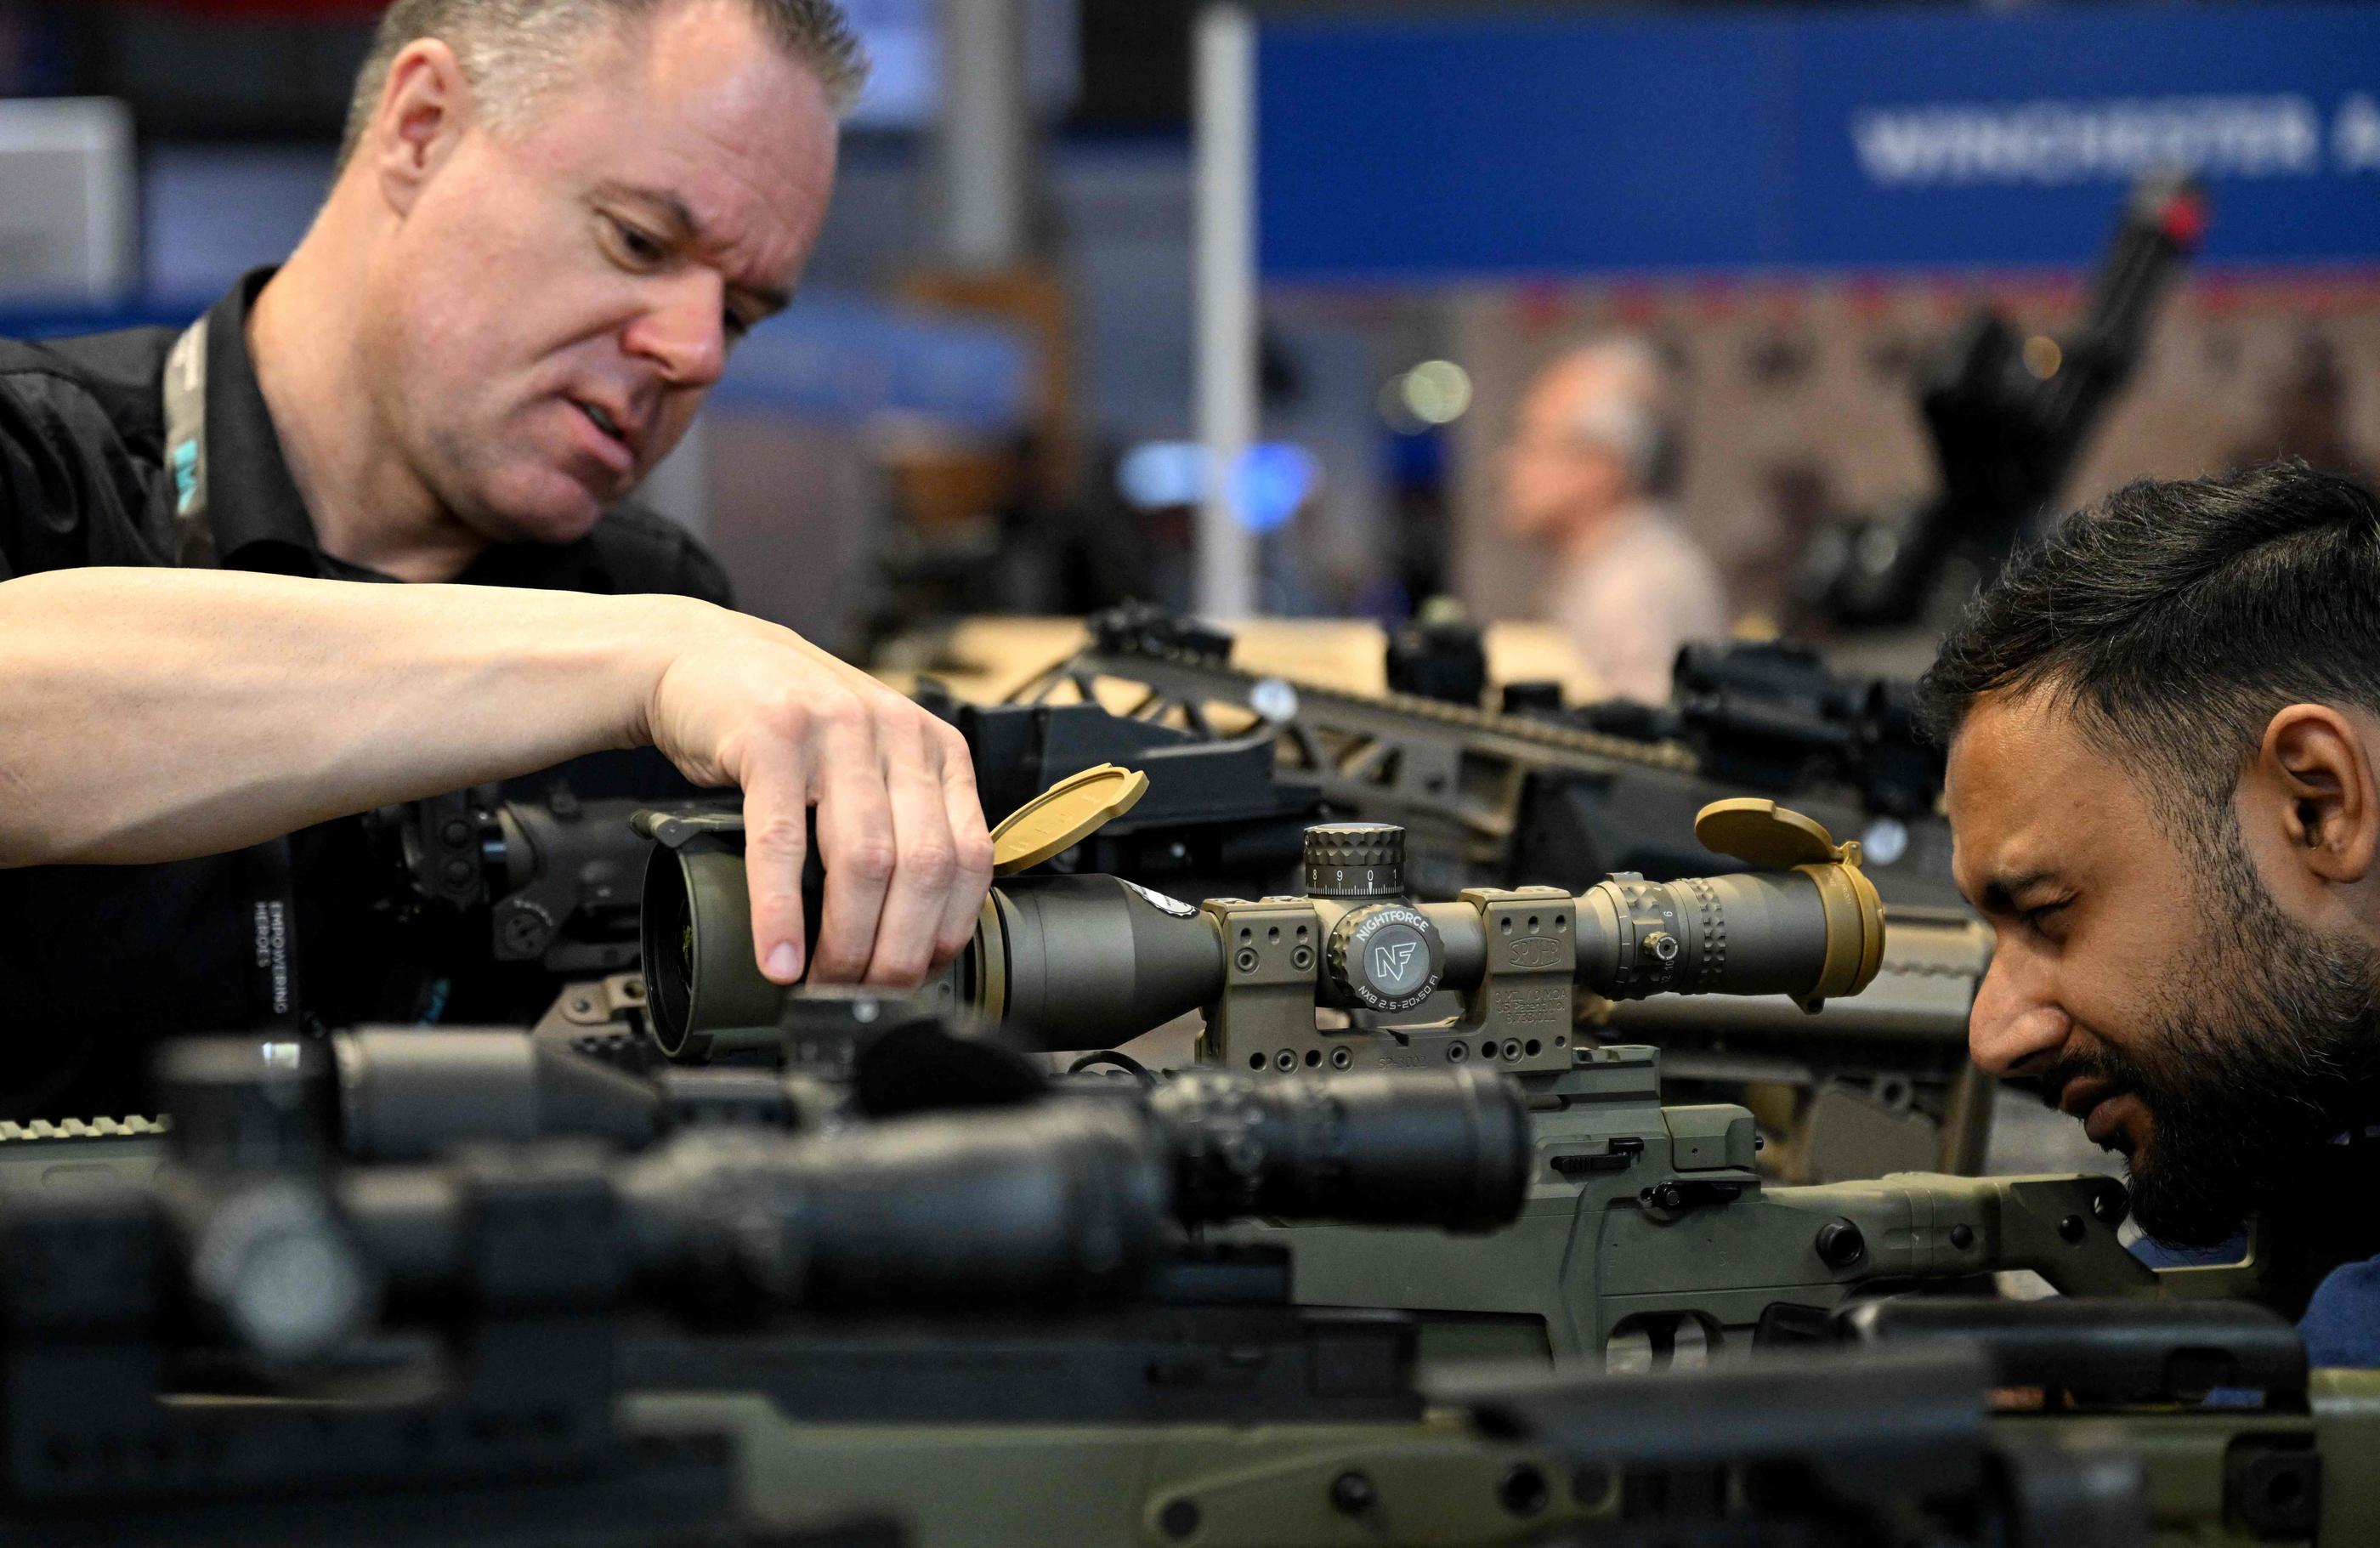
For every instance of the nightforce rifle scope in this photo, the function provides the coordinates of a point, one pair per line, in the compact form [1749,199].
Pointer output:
[1072,962]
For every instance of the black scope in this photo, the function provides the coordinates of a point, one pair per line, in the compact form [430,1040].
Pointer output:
[1063,1201]
[1059,1205]
[1048,1206]
[1074,962]
[396,1094]
[1446,1147]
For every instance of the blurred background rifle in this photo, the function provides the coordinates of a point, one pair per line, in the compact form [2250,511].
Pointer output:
[2009,417]
[991,1326]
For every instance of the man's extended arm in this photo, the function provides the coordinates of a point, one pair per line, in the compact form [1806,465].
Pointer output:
[147,715]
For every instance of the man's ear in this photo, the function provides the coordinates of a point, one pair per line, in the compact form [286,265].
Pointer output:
[425,106]
[2314,766]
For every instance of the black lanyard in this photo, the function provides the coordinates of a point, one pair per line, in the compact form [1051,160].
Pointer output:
[269,878]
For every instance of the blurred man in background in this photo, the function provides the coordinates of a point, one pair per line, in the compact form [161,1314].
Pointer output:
[1581,478]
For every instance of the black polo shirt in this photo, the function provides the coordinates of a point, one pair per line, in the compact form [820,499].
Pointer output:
[97,960]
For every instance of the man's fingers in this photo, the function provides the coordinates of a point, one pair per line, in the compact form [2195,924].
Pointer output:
[776,845]
[910,930]
[899,829]
[971,842]
[856,839]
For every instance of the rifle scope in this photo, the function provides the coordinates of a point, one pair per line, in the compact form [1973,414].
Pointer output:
[1062,1201]
[1071,962]
[1446,1147]
[408,1093]
[1058,1205]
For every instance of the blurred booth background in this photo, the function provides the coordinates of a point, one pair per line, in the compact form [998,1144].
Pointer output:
[1087,253]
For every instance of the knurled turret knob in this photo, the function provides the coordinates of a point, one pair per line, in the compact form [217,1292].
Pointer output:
[1356,859]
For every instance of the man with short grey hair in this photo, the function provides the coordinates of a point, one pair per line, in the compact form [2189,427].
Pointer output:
[1580,475]
[513,50]
[551,221]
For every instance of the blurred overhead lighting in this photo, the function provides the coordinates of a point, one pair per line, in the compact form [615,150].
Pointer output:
[1158,474]
[1436,392]
[1272,482]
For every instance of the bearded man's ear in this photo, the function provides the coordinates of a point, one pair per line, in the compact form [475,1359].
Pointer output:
[2313,760]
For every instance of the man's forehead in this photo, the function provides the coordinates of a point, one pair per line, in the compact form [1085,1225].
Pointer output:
[2009,734]
[700,106]
[2027,789]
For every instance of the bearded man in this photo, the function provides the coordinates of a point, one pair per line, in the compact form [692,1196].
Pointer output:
[2163,726]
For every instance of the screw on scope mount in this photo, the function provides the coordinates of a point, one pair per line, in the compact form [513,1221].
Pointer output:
[1356,859]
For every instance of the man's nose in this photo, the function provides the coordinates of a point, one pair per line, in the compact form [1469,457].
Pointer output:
[685,333]
[2016,1016]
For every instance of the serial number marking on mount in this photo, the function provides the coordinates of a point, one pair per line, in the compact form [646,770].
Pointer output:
[1536,1002]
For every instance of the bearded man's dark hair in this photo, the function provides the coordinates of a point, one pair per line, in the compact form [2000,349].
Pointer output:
[2176,617]
[2172,621]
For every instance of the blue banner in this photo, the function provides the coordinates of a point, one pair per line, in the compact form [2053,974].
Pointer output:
[1506,147]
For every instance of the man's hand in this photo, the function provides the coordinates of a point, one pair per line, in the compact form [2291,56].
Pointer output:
[211,708]
[900,827]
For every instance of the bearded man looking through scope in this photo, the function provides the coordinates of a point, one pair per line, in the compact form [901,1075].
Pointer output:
[2164,726]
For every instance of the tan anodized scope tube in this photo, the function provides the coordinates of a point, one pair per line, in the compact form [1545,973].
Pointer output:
[1070,962]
